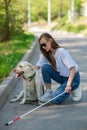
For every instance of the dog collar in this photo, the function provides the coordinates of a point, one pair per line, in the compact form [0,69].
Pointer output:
[31,77]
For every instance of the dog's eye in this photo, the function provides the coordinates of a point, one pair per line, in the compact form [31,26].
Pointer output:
[29,65]
[20,66]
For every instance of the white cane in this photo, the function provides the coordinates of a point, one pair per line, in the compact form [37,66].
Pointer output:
[43,104]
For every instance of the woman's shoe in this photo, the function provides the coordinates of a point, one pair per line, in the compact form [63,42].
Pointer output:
[47,96]
[77,94]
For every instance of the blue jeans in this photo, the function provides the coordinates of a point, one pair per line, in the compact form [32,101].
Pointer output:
[49,73]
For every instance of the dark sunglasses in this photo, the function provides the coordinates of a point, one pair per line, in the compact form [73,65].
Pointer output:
[43,45]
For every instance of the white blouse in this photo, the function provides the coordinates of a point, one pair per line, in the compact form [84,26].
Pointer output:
[64,62]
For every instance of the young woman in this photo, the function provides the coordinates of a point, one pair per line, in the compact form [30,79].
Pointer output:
[56,63]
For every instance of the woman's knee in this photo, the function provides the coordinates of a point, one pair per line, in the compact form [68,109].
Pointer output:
[46,68]
[46,73]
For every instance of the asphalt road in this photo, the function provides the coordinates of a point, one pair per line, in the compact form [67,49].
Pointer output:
[66,116]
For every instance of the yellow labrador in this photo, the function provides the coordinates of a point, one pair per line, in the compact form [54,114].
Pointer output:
[33,87]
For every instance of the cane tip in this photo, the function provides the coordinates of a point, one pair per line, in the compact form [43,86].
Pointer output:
[6,124]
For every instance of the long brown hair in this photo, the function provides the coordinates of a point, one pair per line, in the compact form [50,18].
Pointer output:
[48,54]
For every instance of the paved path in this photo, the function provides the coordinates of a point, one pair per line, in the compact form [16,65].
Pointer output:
[67,116]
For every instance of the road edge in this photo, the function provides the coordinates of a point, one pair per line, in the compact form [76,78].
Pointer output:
[9,83]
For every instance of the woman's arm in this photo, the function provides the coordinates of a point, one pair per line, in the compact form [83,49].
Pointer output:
[70,79]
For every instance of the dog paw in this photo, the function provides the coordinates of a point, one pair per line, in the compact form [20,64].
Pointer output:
[23,102]
[11,101]
[14,100]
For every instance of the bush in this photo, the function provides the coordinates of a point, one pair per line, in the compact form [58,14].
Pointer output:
[12,51]
[79,28]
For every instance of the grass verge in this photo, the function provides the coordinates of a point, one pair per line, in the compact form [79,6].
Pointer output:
[80,26]
[12,51]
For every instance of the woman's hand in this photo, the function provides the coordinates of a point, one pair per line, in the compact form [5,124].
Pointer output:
[68,89]
[37,67]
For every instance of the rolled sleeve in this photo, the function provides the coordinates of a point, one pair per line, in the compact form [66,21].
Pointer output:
[67,59]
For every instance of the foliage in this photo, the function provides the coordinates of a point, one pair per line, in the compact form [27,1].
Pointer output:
[70,27]
[12,51]
[78,6]
[13,13]
[39,9]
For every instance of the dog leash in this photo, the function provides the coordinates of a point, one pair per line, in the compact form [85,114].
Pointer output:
[43,104]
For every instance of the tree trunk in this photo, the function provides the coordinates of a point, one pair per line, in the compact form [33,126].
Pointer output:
[61,9]
[7,21]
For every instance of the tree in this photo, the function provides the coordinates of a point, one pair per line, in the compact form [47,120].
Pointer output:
[13,13]
[7,20]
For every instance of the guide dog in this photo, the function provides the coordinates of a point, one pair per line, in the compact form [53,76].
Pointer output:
[33,87]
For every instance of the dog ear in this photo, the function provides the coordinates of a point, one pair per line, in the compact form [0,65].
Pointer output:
[20,66]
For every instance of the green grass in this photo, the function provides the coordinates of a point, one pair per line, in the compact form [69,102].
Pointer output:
[70,27]
[12,51]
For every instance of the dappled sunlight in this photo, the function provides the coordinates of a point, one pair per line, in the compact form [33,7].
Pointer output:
[83,73]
